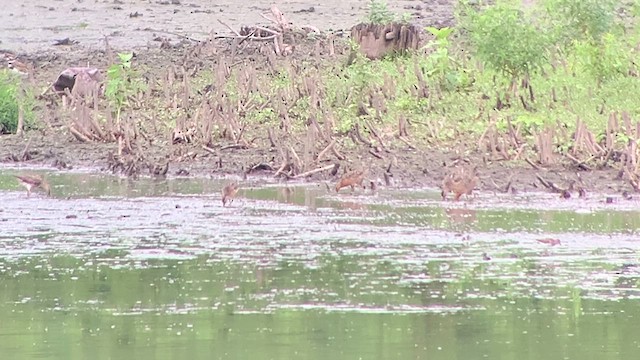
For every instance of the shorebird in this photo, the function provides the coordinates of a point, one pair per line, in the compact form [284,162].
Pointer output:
[229,192]
[33,182]
[351,179]
[460,181]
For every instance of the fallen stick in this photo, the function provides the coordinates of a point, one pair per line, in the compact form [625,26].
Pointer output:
[375,154]
[337,154]
[326,149]
[78,135]
[407,142]
[272,32]
[296,157]
[533,165]
[25,152]
[507,187]
[209,150]
[234,146]
[549,184]
[284,165]
[314,171]
[580,164]
[243,38]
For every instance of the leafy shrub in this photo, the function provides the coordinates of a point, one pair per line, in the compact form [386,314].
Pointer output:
[586,20]
[607,60]
[10,98]
[380,14]
[504,39]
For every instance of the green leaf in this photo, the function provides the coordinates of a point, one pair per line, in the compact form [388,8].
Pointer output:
[125,57]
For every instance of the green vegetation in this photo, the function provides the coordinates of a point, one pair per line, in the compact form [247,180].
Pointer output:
[501,68]
[380,14]
[11,98]
[123,82]
[504,77]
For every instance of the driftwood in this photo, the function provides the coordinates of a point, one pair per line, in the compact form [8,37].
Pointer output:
[377,41]
[314,171]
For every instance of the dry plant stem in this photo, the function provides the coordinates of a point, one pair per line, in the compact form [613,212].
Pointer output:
[314,171]
[356,131]
[533,165]
[271,138]
[633,179]
[325,150]
[230,28]
[401,138]
[299,162]
[580,164]
[244,38]
[548,184]
[377,136]
[25,152]
[209,150]
[78,135]
[375,154]
[172,33]
[337,154]
[20,129]
[284,165]
[234,146]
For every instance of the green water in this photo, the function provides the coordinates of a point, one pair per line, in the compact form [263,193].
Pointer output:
[156,269]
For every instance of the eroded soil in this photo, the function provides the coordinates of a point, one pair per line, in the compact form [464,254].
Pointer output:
[33,26]
[30,29]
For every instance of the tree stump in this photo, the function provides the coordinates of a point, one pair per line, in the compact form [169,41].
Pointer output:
[377,41]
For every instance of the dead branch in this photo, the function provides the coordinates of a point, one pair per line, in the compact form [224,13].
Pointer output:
[314,171]
[375,154]
[580,164]
[337,154]
[271,139]
[284,165]
[25,152]
[507,188]
[78,135]
[533,165]
[234,146]
[358,135]
[243,38]
[406,142]
[325,150]
[548,184]
[230,28]
[299,162]
[208,149]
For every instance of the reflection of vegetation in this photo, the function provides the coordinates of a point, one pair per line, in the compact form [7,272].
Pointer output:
[75,305]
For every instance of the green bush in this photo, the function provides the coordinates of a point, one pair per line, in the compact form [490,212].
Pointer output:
[587,20]
[10,98]
[504,39]
[605,61]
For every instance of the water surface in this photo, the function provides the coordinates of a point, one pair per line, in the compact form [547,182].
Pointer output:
[157,269]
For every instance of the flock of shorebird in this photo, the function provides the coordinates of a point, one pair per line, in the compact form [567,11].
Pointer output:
[460,181]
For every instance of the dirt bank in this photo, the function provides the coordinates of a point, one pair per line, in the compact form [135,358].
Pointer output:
[31,29]
[33,26]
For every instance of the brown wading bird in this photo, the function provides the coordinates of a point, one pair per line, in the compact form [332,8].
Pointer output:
[229,192]
[461,181]
[33,182]
[351,179]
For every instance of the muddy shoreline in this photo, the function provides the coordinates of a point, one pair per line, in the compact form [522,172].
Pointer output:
[426,166]
[422,168]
